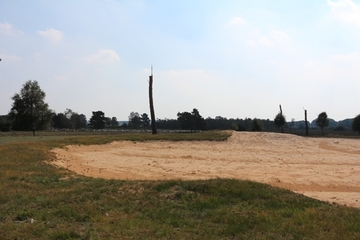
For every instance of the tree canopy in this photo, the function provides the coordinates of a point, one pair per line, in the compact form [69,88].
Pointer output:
[29,110]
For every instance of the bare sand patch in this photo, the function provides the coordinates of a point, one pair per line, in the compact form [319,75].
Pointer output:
[322,168]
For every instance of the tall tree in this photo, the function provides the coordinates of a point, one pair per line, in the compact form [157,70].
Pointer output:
[279,120]
[98,120]
[29,110]
[322,121]
[356,124]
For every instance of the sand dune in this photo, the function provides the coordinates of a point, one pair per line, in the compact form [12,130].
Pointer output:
[322,168]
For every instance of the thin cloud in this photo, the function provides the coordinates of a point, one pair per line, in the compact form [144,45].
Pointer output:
[274,38]
[346,11]
[52,35]
[236,21]
[7,29]
[103,55]
[61,78]
[6,57]
[352,57]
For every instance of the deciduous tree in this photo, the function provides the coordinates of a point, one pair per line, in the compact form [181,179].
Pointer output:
[29,110]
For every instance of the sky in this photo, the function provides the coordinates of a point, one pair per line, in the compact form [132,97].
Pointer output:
[235,59]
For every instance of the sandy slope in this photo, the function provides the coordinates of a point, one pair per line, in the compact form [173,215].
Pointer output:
[322,168]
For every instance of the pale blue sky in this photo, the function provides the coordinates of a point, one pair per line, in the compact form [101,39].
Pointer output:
[234,59]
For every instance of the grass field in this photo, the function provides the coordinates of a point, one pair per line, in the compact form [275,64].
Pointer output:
[39,201]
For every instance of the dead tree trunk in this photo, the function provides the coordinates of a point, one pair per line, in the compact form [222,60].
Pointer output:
[306,123]
[152,112]
[282,126]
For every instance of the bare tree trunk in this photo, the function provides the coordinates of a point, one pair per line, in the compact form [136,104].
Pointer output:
[282,126]
[152,112]
[306,124]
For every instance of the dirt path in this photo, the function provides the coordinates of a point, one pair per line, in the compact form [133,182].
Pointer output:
[322,168]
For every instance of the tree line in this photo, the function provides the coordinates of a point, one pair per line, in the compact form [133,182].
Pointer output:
[30,112]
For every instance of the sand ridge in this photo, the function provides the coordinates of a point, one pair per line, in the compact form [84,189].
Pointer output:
[324,168]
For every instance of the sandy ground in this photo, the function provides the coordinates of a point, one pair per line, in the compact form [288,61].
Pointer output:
[322,168]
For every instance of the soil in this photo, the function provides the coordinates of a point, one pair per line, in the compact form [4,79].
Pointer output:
[327,169]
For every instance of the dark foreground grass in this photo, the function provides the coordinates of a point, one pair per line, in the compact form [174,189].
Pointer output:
[39,201]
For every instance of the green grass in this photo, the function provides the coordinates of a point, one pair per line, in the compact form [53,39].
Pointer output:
[67,206]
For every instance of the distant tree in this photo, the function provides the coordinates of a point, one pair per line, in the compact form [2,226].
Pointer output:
[29,110]
[256,125]
[69,120]
[98,120]
[322,121]
[5,123]
[234,126]
[80,121]
[279,120]
[145,120]
[107,121]
[356,124]
[167,124]
[199,120]
[124,125]
[72,117]
[191,121]
[292,124]
[60,121]
[134,120]
[186,121]
[114,122]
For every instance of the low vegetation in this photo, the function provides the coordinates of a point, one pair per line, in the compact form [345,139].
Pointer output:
[39,201]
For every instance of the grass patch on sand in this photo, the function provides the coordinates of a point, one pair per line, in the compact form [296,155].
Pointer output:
[39,201]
